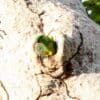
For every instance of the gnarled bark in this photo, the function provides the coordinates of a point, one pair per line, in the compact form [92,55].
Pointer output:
[73,73]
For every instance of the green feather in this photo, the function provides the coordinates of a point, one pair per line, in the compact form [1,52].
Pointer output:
[46,46]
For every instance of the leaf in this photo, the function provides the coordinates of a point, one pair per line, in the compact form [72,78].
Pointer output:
[94,6]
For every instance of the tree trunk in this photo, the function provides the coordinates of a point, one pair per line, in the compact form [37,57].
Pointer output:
[73,73]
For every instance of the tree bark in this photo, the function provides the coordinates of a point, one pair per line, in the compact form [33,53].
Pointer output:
[73,73]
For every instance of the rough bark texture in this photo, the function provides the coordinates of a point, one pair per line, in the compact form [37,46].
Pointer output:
[73,73]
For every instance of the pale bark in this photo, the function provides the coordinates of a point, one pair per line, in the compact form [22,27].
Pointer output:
[73,73]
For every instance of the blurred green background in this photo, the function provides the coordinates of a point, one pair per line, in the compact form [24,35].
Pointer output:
[93,9]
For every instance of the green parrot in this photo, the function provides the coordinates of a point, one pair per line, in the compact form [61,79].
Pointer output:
[45,46]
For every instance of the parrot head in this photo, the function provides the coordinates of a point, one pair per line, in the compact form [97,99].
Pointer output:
[45,46]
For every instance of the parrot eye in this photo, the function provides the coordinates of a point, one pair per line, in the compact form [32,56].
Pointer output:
[45,46]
